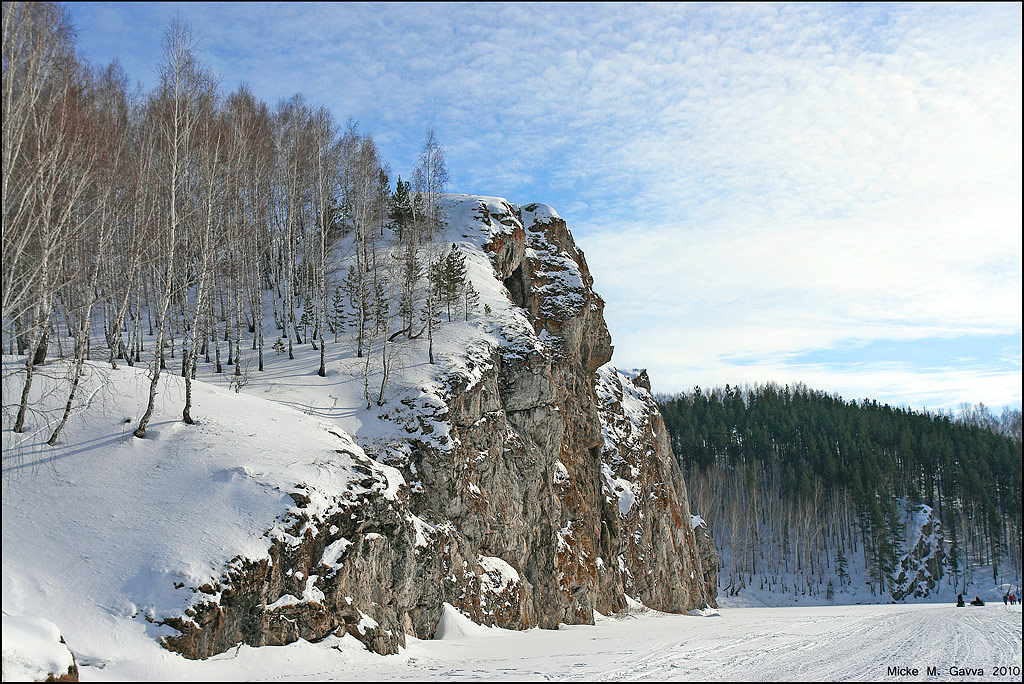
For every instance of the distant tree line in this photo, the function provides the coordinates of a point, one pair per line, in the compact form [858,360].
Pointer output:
[797,480]
[175,221]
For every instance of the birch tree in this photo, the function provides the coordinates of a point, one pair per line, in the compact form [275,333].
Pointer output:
[325,179]
[254,157]
[430,180]
[210,161]
[292,179]
[36,50]
[63,156]
[101,125]
[176,114]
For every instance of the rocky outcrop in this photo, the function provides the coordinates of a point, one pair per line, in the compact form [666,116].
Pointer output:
[306,591]
[542,487]
[708,555]
[660,558]
[918,572]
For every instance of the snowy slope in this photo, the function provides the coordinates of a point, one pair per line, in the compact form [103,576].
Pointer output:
[136,518]
[99,532]
[34,650]
[418,389]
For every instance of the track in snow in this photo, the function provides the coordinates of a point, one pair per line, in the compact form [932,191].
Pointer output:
[833,643]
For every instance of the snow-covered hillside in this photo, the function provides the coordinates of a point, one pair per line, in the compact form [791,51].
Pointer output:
[518,481]
[107,532]
[922,575]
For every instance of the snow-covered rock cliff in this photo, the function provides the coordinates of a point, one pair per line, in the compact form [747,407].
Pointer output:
[922,566]
[519,480]
[513,459]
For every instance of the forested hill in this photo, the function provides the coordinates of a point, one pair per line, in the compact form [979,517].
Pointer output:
[848,467]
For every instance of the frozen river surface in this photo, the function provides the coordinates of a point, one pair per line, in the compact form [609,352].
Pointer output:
[834,643]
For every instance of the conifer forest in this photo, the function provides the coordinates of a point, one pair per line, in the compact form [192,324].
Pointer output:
[798,482]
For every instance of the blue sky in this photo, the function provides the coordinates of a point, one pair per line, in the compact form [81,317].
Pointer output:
[819,193]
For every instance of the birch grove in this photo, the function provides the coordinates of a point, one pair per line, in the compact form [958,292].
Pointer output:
[185,229]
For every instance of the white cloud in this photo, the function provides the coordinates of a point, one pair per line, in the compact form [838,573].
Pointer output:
[748,181]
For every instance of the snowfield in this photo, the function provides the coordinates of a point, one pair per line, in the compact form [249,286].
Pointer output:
[836,643]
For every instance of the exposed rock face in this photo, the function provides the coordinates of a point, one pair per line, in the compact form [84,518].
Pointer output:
[709,561]
[662,563]
[517,511]
[305,591]
[920,570]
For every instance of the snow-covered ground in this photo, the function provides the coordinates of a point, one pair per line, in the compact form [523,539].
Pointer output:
[33,649]
[108,530]
[834,643]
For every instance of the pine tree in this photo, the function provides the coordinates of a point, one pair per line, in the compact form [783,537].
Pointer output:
[448,277]
[894,528]
[402,210]
[337,318]
[813,452]
[304,319]
[455,269]
[472,298]
[953,557]
[359,314]
[841,568]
